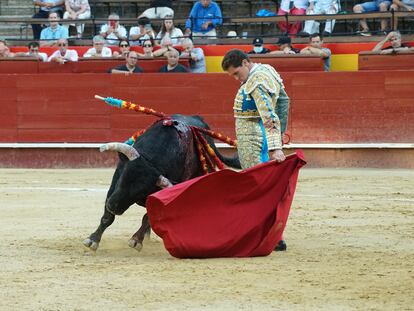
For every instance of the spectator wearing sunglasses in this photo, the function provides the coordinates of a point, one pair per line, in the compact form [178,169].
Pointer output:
[63,54]
[148,48]
[130,67]
[123,49]
[34,52]
[99,49]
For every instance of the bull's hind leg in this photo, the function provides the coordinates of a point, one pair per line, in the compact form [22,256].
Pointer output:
[138,237]
[92,242]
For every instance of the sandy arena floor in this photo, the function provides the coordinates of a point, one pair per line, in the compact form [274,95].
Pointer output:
[350,247]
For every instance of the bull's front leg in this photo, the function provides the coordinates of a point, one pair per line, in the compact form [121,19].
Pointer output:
[138,237]
[92,242]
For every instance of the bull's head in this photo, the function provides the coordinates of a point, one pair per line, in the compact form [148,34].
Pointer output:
[135,180]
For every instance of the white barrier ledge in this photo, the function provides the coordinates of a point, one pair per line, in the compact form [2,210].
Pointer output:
[219,145]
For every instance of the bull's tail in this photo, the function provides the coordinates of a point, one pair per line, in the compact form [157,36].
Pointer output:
[233,161]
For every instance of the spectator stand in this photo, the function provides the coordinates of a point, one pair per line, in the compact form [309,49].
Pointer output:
[376,61]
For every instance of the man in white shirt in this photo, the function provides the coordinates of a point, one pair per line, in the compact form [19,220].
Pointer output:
[112,31]
[34,52]
[63,55]
[99,49]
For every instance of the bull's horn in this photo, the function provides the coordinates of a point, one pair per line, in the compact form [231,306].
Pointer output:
[130,152]
[163,182]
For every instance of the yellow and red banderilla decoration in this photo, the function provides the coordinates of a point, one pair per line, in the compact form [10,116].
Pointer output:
[208,158]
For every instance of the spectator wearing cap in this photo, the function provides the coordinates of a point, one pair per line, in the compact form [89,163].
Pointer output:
[292,7]
[258,47]
[141,33]
[204,17]
[285,46]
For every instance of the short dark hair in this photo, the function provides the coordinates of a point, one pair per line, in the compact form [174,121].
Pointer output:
[314,35]
[123,40]
[33,44]
[143,20]
[234,58]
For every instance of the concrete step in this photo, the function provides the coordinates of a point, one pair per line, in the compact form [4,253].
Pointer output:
[17,10]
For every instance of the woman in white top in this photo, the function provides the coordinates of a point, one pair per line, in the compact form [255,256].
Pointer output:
[77,9]
[168,29]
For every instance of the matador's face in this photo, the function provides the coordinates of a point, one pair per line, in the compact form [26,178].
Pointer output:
[240,73]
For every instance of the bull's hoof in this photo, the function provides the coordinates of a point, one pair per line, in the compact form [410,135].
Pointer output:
[135,244]
[92,245]
[281,246]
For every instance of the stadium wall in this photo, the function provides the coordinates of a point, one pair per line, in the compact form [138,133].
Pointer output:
[363,119]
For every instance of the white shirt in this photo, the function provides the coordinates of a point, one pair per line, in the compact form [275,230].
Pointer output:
[136,31]
[106,52]
[176,36]
[42,55]
[300,4]
[70,55]
[112,39]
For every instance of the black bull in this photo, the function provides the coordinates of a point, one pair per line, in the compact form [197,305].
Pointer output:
[161,156]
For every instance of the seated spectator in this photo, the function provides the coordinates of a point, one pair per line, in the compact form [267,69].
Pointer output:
[113,31]
[148,48]
[285,47]
[130,66]
[258,47]
[54,31]
[169,30]
[173,65]
[45,6]
[372,6]
[292,7]
[204,17]
[196,55]
[142,32]
[166,45]
[159,9]
[63,54]
[395,47]
[4,50]
[403,5]
[77,9]
[34,52]
[320,7]
[316,48]
[99,49]
[123,49]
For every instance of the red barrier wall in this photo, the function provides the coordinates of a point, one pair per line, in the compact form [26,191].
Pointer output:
[341,107]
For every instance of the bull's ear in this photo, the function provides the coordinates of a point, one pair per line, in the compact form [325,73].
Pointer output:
[163,182]
[130,152]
